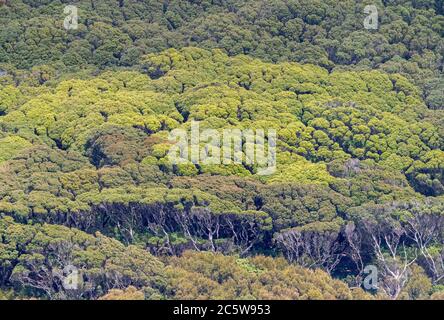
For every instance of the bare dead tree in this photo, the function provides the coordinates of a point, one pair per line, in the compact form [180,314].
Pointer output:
[312,249]
[386,239]
[425,229]
[184,221]
[127,218]
[206,225]
[354,249]
[156,221]
[48,276]
[245,230]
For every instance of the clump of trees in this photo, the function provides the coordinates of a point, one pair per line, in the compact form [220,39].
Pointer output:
[326,33]
[35,257]
[34,260]
[84,171]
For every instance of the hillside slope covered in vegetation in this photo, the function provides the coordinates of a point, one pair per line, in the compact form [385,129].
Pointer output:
[327,33]
[86,180]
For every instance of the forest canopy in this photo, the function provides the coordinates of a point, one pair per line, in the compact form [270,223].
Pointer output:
[86,181]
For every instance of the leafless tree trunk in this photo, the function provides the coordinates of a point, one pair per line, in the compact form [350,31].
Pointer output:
[425,230]
[354,249]
[394,264]
[311,249]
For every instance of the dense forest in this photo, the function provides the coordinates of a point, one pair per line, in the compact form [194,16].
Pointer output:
[85,175]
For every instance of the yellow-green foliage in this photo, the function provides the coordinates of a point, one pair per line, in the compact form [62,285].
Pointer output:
[114,128]
[91,152]
[11,146]
[214,276]
[85,117]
